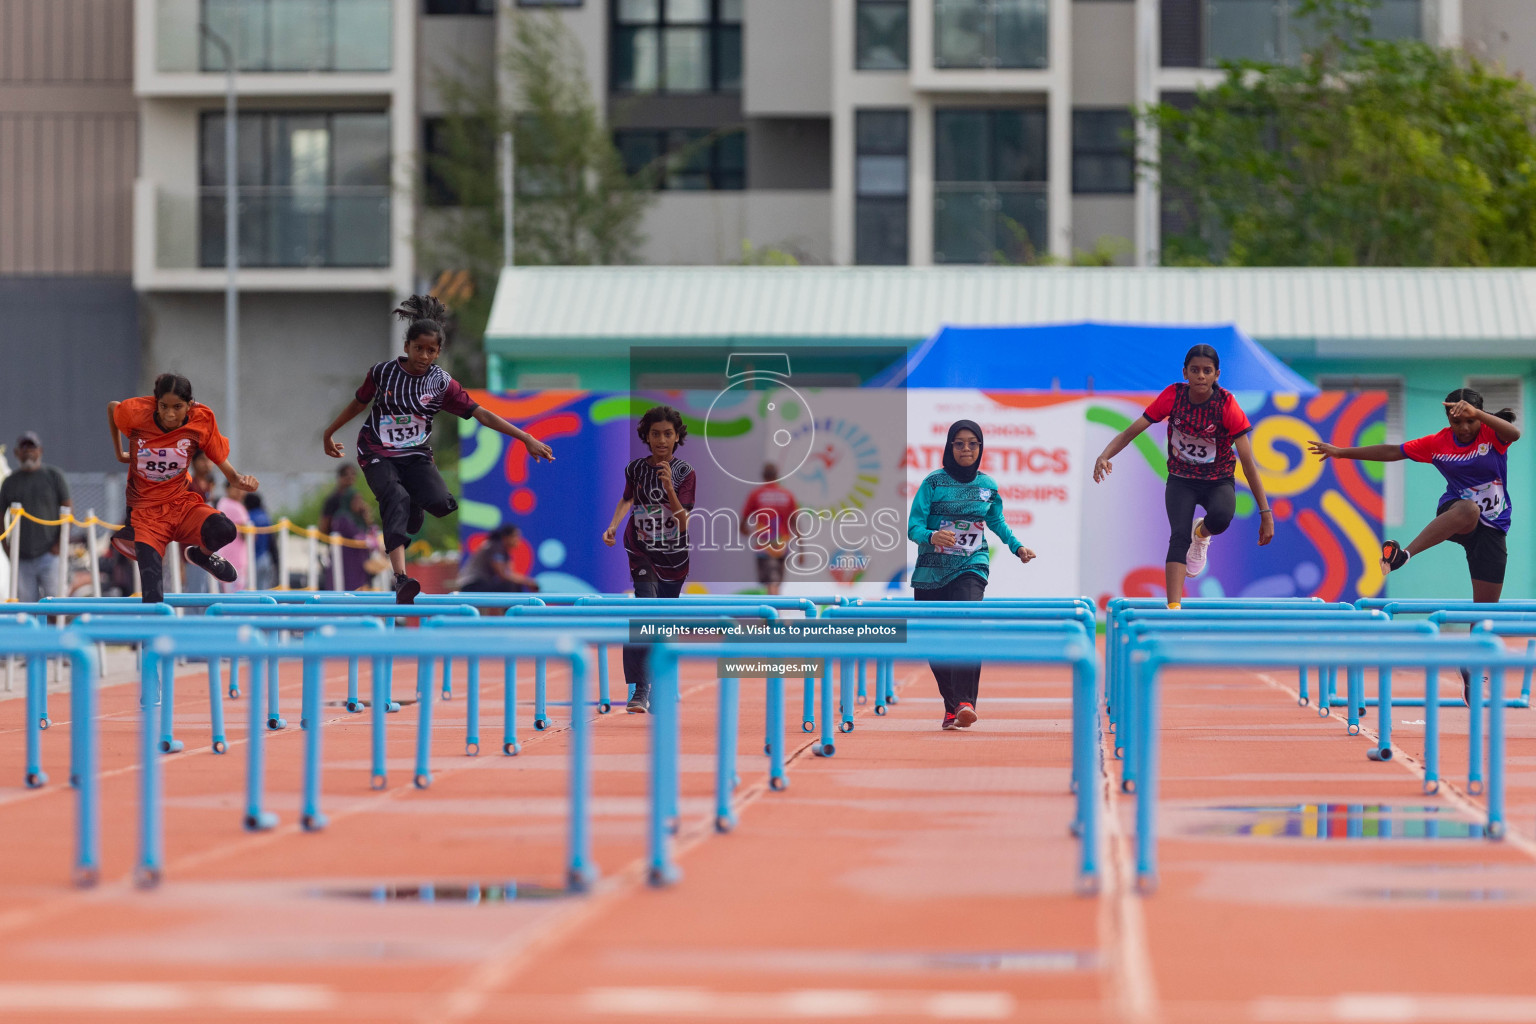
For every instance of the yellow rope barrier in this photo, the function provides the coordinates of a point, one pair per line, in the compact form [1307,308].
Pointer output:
[297,531]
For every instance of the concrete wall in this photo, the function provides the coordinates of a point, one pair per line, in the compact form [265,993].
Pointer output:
[301,358]
[789,153]
[1103,54]
[1503,31]
[787,58]
[1104,216]
[699,228]
[1442,571]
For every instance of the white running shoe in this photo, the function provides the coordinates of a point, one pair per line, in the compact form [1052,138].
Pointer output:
[1194,562]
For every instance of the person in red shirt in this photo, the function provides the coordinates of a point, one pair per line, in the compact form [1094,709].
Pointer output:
[1207,437]
[393,446]
[165,433]
[767,521]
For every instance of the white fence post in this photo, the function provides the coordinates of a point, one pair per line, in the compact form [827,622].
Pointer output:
[14,517]
[92,553]
[172,564]
[336,576]
[312,547]
[281,537]
[68,515]
[253,575]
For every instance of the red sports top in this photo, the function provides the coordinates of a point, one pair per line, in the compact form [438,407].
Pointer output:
[158,460]
[1199,436]
[767,515]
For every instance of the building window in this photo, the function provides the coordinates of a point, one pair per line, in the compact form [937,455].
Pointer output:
[1273,30]
[1392,480]
[279,35]
[676,46]
[460,7]
[880,35]
[989,201]
[881,185]
[990,34]
[314,189]
[685,159]
[1103,152]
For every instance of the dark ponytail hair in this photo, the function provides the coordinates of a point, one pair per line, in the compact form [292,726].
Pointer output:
[1203,350]
[426,314]
[173,384]
[1475,400]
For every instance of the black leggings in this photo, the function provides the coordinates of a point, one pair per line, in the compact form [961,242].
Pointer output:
[218,530]
[636,666]
[411,481]
[1217,497]
[959,681]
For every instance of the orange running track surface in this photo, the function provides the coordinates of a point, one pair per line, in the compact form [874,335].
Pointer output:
[917,875]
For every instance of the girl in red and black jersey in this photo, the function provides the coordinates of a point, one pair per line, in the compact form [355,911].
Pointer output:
[658,494]
[1205,427]
[393,445]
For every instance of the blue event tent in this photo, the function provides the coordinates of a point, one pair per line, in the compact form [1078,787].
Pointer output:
[1086,356]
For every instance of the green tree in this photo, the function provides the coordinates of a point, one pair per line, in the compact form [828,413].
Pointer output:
[575,204]
[1365,153]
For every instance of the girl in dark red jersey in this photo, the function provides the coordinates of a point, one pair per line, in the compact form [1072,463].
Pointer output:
[1207,437]
[658,494]
[393,445]
[165,434]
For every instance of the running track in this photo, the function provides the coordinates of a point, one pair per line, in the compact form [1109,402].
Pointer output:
[918,875]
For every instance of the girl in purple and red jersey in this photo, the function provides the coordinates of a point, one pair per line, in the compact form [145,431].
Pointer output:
[658,495]
[393,446]
[1207,437]
[1474,510]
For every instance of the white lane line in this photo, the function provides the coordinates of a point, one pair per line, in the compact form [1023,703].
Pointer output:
[1394,1008]
[799,1004]
[139,997]
[1132,983]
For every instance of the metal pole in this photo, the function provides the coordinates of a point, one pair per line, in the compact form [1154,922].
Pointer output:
[68,515]
[231,248]
[336,575]
[507,195]
[92,553]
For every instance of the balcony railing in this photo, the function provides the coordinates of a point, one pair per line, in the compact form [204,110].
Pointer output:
[276,35]
[989,223]
[1271,31]
[1007,34]
[279,227]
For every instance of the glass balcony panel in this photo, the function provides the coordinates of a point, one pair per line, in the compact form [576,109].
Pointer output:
[687,57]
[882,38]
[300,35]
[963,138]
[295,227]
[882,176]
[881,232]
[276,35]
[1241,30]
[1020,37]
[988,223]
[1019,235]
[364,35]
[637,56]
[960,34]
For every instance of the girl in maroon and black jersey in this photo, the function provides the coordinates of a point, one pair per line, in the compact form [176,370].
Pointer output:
[393,445]
[1205,427]
[658,494]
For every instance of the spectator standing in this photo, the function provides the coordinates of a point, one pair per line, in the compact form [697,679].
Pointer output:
[767,521]
[40,490]
[233,506]
[340,498]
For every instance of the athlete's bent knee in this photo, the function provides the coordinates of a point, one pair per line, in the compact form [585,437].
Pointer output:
[1217,522]
[446,507]
[218,531]
[1466,512]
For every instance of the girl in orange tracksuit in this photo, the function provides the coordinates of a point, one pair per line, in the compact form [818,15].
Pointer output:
[165,433]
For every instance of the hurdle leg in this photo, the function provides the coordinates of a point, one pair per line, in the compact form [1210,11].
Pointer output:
[354,703]
[776,777]
[1496,753]
[310,819]
[880,697]
[581,872]
[509,744]
[1383,750]
[36,681]
[1525,683]
[845,691]
[863,697]
[423,774]
[604,705]
[275,720]
[234,678]
[725,757]
[1475,735]
[660,872]
[1302,697]
[1354,688]
[148,871]
[390,704]
[1431,730]
[447,679]
[540,711]
[256,819]
[891,696]
[808,706]
[83,753]
[1084,754]
[216,704]
[1146,792]
[472,708]
[826,748]
[168,742]
[376,776]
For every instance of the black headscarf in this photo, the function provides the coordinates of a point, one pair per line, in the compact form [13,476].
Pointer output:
[964,474]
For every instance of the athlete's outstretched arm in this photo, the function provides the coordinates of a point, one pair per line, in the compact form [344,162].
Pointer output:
[1370,453]
[538,449]
[1244,446]
[238,479]
[1101,465]
[117,444]
[333,449]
